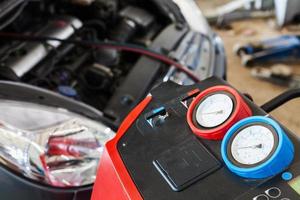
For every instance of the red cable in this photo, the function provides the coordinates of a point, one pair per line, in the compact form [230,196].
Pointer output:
[157,56]
[121,47]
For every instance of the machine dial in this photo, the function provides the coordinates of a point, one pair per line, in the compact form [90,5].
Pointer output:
[253,144]
[257,147]
[215,110]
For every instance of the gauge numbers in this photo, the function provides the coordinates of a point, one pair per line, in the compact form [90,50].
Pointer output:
[214,110]
[253,144]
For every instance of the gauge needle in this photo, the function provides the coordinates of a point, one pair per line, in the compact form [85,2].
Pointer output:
[215,112]
[253,147]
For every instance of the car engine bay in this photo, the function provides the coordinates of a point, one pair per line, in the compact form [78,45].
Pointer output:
[105,78]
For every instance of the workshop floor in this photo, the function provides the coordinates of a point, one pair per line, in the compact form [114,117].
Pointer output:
[240,76]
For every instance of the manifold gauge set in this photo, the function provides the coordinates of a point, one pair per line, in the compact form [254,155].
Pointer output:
[255,147]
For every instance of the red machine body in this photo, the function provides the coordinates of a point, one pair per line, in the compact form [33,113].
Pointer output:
[113,180]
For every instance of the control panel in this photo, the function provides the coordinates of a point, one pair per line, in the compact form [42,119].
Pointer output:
[205,141]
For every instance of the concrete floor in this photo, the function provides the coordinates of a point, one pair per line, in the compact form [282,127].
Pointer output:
[240,77]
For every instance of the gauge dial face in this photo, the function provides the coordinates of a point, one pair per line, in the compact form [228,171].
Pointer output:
[253,144]
[214,110]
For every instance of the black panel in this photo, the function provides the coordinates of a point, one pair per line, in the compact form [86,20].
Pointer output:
[186,163]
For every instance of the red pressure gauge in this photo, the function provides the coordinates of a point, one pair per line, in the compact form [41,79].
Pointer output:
[215,110]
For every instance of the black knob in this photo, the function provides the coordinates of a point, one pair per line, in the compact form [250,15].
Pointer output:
[261,197]
[273,192]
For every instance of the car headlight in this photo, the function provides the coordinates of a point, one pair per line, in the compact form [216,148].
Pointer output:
[49,144]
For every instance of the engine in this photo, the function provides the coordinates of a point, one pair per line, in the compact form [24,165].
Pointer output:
[110,80]
[88,75]
[72,70]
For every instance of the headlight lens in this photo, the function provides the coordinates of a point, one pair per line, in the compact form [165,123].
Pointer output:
[51,145]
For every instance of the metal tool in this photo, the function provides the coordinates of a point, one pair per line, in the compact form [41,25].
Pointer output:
[281,49]
[225,20]
[240,10]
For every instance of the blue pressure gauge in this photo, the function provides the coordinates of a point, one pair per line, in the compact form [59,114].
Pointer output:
[257,147]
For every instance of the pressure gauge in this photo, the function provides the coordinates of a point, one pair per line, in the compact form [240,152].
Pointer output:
[257,147]
[214,111]
[252,145]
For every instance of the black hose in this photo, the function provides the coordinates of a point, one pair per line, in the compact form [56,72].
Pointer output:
[281,99]
[14,16]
